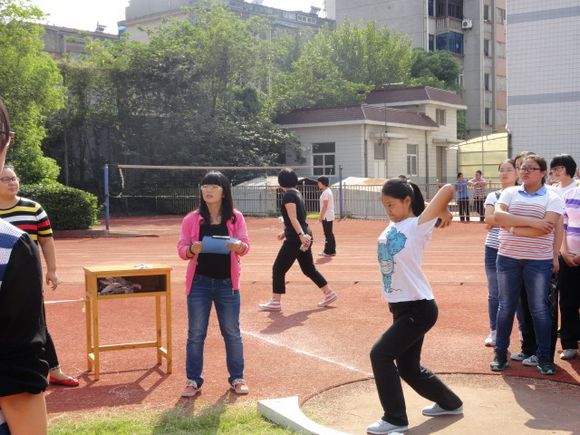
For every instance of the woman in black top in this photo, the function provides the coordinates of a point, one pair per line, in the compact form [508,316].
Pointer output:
[22,332]
[297,245]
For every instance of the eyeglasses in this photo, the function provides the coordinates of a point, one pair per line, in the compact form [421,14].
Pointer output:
[8,179]
[211,186]
[557,168]
[528,169]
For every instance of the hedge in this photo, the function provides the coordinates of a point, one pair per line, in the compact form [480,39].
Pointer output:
[67,208]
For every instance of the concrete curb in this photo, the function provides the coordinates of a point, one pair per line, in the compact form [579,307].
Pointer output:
[286,412]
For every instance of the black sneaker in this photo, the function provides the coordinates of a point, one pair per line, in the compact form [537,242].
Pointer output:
[499,363]
[546,367]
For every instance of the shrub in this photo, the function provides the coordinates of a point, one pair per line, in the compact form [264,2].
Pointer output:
[68,208]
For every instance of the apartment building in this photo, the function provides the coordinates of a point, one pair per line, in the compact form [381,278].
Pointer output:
[544,88]
[141,15]
[64,41]
[474,31]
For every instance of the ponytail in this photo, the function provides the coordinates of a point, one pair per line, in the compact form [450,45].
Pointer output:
[400,189]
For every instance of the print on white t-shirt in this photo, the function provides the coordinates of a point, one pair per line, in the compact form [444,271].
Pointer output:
[401,247]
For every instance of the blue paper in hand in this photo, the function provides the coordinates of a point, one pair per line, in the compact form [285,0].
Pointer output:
[216,244]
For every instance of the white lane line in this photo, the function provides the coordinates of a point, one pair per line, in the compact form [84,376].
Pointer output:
[306,353]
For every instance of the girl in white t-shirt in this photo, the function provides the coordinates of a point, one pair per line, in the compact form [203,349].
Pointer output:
[397,353]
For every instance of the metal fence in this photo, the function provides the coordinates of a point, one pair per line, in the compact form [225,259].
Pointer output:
[358,201]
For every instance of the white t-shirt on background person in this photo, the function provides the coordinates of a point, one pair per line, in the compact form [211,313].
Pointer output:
[401,247]
[326,195]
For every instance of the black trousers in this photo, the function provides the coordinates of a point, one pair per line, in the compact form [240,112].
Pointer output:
[329,241]
[50,353]
[402,343]
[463,209]
[288,254]
[478,207]
[569,305]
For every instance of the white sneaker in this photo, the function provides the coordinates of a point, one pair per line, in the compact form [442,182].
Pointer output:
[490,339]
[568,354]
[520,356]
[435,411]
[531,361]
[381,427]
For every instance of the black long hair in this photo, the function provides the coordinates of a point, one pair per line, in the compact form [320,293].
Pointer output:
[4,125]
[227,210]
[399,189]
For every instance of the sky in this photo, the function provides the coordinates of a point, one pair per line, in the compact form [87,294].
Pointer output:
[84,14]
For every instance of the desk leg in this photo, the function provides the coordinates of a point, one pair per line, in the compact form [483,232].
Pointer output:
[96,344]
[168,326]
[88,318]
[158,327]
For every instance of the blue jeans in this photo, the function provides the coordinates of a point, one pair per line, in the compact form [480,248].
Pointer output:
[204,292]
[493,290]
[4,430]
[535,276]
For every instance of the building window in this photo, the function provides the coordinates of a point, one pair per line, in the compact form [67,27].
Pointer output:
[323,155]
[460,80]
[431,42]
[487,116]
[486,16]
[487,81]
[440,116]
[412,159]
[486,48]
[450,41]
[455,8]
[379,150]
[431,8]
[500,15]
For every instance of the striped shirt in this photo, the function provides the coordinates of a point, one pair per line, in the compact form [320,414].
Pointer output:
[535,205]
[492,239]
[572,215]
[9,235]
[29,216]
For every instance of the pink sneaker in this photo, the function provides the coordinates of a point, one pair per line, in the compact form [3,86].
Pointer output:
[329,297]
[191,389]
[271,305]
[240,387]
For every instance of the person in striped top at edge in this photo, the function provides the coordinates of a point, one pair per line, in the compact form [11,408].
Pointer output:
[527,215]
[30,217]
[507,178]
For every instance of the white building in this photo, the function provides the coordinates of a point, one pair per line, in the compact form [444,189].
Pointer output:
[406,131]
[544,86]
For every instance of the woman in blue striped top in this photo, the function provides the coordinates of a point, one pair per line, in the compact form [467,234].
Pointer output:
[507,178]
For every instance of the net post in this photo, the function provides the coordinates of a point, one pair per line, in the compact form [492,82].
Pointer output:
[106,185]
[340,197]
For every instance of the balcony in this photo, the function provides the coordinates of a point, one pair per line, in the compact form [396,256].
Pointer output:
[445,24]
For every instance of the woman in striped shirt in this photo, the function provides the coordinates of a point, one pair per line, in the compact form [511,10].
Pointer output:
[527,215]
[507,178]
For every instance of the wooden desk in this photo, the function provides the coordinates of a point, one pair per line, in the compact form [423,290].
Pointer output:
[155,281]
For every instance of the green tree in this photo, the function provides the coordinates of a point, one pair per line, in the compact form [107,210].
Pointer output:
[436,68]
[340,66]
[31,85]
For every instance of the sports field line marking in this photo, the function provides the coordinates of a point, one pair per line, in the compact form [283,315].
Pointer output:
[306,353]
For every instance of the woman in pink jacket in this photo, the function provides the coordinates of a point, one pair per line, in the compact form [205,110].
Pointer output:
[214,277]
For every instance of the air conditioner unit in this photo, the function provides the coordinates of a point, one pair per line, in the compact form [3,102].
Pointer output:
[466,23]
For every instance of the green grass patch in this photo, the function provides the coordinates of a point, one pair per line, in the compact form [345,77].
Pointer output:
[313,215]
[220,419]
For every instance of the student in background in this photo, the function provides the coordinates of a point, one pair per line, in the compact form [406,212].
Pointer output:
[462,197]
[478,184]
[327,217]
[297,245]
